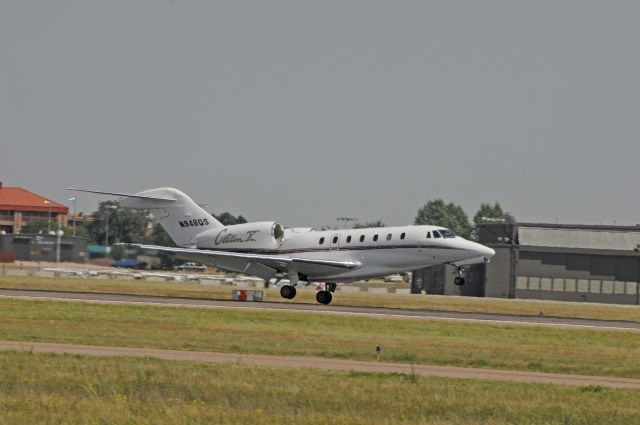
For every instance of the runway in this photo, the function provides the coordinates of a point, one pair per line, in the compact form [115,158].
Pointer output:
[327,364]
[488,318]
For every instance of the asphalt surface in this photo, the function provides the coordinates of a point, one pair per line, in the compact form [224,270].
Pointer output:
[327,364]
[489,318]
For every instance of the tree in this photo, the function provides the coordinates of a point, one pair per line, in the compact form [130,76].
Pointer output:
[160,237]
[492,213]
[450,215]
[376,223]
[228,219]
[125,225]
[81,231]
[41,226]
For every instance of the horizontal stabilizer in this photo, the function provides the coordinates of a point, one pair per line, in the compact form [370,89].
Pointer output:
[126,195]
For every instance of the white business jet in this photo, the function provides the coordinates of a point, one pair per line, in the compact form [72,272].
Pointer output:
[268,250]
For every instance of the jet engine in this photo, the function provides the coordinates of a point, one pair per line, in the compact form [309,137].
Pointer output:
[264,235]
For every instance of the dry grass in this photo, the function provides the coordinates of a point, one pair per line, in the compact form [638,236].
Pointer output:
[588,352]
[63,389]
[466,304]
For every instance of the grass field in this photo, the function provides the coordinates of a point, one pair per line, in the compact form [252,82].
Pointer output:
[588,352]
[63,389]
[468,304]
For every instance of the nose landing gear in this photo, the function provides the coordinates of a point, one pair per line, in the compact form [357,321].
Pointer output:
[459,280]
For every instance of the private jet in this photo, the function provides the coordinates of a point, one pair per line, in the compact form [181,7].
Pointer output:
[268,250]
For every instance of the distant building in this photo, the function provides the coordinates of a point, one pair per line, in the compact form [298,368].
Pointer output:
[548,261]
[42,247]
[79,219]
[19,206]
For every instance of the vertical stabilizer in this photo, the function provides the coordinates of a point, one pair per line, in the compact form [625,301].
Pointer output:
[180,217]
[177,213]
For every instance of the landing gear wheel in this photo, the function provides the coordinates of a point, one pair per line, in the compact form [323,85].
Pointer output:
[458,281]
[288,292]
[324,297]
[331,286]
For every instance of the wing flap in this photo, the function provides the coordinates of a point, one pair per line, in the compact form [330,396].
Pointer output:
[257,264]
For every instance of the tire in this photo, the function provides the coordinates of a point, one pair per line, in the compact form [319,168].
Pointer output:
[458,281]
[324,297]
[329,298]
[288,292]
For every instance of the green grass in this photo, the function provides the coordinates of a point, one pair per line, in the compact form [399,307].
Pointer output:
[588,352]
[465,304]
[65,389]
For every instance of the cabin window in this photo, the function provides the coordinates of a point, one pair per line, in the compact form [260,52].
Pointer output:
[335,239]
[321,241]
[402,235]
[389,236]
[436,234]
[375,238]
[349,239]
[361,238]
[428,235]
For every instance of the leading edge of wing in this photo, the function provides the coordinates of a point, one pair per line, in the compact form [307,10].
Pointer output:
[254,257]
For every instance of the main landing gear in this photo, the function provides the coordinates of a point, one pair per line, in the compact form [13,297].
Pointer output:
[288,292]
[325,297]
[459,280]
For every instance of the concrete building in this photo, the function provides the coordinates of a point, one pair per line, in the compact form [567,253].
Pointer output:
[19,206]
[43,247]
[548,261]
[438,280]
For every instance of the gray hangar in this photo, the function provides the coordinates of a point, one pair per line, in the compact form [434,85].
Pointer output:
[548,261]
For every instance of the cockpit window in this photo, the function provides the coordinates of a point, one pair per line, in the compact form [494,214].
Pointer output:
[436,234]
[428,235]
[446,233]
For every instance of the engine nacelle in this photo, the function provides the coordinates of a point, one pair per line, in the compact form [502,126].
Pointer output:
[259,235]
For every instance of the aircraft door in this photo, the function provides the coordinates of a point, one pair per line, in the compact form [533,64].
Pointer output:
[335,241]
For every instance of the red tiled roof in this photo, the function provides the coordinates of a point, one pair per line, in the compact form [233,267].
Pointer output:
[18,199]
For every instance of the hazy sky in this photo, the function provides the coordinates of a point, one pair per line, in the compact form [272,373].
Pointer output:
[302,111]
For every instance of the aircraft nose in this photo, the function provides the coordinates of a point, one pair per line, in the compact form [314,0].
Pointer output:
[485,251]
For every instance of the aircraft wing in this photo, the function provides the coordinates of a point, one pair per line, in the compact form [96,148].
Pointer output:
[261,265]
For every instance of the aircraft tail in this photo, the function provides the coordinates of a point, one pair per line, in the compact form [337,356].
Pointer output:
[176,212]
